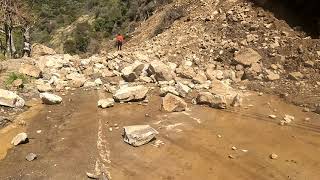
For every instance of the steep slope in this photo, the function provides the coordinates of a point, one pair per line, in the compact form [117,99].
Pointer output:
[210,32]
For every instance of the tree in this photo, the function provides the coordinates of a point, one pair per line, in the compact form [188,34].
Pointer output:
[13,15]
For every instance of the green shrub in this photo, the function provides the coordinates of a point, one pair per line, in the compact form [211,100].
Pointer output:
[70,47]
[14,76]
[2,57]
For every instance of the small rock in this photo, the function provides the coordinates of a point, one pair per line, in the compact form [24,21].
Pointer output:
[287,120]
[273,156]
[138,135]
[231,157]
[271,76]
[106,103]
[18,83]
[306,110]
[309,64]
[237,101]
[50,99]
[31,157]
[20,138]
[234,148]
[98,82]
[272,116]
[247,56]
[92,176]
[296,76]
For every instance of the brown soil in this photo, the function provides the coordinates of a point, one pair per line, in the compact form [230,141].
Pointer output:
[75,139]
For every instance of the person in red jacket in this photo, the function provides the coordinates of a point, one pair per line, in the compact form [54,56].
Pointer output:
[119,40]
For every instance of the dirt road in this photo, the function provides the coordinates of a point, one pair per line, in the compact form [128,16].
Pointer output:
[75,138]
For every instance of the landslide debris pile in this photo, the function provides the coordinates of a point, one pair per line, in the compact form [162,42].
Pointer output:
[208,52]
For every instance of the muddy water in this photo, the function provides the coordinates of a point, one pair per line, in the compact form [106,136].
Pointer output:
[76,139]
[17,127]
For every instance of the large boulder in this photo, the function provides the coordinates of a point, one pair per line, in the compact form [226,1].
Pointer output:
[41,50]
[168,89]
[182,89]
[200,78]
[247,56]
[30,70]
[186,72]
[10,99]
[172,103]
[132,72]
[50,99]
[135,93]
[76,80]
[214,101]
[160,71]
[138,135]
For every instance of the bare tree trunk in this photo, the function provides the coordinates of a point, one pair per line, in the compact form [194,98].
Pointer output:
[11,49]
[12,45]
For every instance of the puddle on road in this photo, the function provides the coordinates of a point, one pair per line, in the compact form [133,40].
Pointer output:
[13,129]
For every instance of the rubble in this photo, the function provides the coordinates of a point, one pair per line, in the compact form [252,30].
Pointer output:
[138,135]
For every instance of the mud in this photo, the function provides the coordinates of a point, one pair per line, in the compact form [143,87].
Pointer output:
[76,139]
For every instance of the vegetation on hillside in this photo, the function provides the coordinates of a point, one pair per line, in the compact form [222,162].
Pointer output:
[109,17]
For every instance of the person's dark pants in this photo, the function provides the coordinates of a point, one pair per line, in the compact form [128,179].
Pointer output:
[119,45]
[26,51]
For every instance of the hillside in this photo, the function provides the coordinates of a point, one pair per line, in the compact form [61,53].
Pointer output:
[96,21]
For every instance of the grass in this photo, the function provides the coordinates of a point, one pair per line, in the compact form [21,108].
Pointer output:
[2,57]
[14,76]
